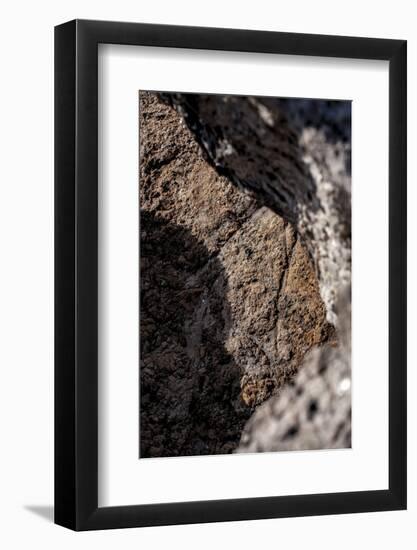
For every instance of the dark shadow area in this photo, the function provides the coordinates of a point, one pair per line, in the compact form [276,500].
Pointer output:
[189,385]
[333,117]
[45,512]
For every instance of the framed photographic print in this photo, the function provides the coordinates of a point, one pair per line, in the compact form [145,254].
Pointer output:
[230,254]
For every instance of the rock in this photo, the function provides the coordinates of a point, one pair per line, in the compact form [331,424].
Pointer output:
[314,411]
[230,302]
[276,314]
[293,156]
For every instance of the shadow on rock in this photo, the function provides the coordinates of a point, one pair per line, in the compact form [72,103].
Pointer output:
[189,385]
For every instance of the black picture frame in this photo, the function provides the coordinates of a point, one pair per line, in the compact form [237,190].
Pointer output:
[76,271]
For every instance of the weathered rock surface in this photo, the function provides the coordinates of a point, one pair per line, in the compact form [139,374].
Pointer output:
[292,156]
[314,410]
[276,311]
[230,302]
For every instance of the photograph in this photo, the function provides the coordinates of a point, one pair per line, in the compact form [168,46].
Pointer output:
[245,274]
[208,274]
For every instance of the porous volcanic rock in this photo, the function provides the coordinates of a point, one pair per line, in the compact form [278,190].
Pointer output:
[314,410]
[230,302]
[292,155]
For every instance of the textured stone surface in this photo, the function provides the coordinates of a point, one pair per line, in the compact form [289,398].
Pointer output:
[314,411]
[294,157]
[229,297]
[276,310]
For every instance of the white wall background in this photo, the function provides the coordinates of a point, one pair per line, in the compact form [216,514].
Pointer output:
[26,255]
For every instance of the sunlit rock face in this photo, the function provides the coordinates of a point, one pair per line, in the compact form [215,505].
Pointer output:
[245,252]
[314,410]
[293,156]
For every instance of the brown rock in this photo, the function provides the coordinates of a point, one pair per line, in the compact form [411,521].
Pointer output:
[229,299]
[292,155]
[314,411]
